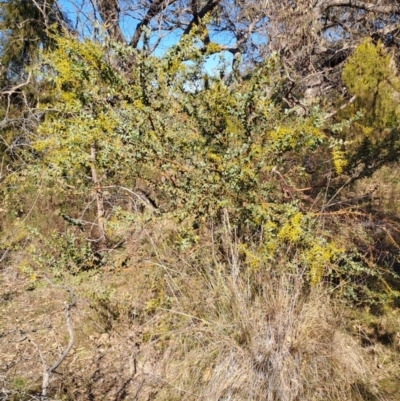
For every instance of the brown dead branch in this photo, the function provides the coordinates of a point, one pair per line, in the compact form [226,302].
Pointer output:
[19,86]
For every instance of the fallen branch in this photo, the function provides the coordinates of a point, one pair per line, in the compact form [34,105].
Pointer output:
[141,196]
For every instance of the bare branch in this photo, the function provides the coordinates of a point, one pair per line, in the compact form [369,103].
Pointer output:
[19,86]
[156,7]
[209,6]
[330,115]
[373,7]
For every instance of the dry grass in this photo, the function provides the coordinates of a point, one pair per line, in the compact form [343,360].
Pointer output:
[387,183]
[277,345]
[186,325]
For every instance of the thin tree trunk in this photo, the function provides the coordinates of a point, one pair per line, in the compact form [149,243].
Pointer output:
[98,193]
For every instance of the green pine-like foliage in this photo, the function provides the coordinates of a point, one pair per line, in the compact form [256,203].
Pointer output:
[370,76]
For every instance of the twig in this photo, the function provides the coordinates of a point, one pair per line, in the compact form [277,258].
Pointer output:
[15,88]
[141,196]
[343,106]
[353,201]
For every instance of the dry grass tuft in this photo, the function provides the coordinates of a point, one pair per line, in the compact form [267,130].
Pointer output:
[280,345]
[273,341]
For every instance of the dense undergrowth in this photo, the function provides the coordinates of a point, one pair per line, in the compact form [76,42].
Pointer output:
[220,245]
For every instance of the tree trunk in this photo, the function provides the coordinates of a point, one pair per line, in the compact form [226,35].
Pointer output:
[98,193]
[109,12]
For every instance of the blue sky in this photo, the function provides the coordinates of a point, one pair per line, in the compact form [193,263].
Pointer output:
[128,26]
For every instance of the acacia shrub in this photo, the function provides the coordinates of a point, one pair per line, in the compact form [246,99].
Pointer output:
[206,149]
[203,148]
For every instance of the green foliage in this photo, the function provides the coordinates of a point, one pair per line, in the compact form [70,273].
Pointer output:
[187,135]
[24,31]
[65,253]
[18,383]
[296,235]
[206,150]
[372,139]
[370,75]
